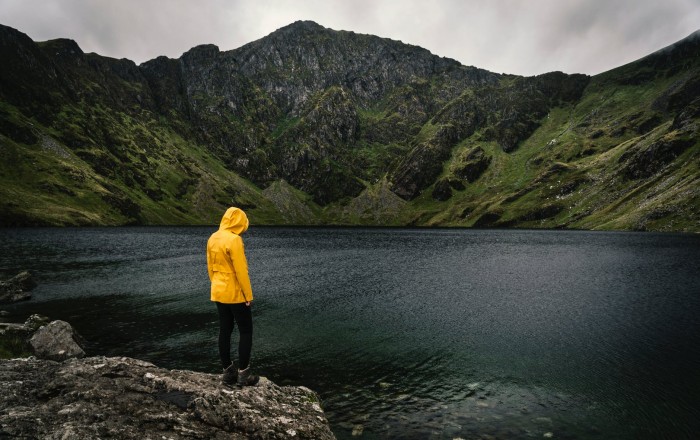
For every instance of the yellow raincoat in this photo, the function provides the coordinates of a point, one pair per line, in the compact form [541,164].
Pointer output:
[226,262]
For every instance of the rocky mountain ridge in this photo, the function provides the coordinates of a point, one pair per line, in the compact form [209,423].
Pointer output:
[314,126]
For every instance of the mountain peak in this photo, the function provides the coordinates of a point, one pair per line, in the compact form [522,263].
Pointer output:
[337,114]
[691,40]
[201,53]
[62,46]
[306,25]
[300,28]
[692,37]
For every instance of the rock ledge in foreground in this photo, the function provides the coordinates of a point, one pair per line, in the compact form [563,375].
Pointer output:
[99,397]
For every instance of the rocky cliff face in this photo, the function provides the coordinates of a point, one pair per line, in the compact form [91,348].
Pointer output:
[302,59]
[507,113]
[338,115]
[286,106]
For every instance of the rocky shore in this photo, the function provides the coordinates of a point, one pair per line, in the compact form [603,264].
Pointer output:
[51,390]
[101,397]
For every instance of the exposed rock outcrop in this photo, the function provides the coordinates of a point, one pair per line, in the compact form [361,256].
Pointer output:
[32,323]
[17,288]
[102,397]
[442,190]
[507,113]
[14,337]
[644,161]
[308,153]
[473,164]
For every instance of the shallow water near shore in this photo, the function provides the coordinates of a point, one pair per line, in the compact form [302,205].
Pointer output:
[407,333]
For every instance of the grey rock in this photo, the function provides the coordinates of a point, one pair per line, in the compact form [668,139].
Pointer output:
[419,168]
[442,190]
[11,328]
[328,127]
[28,328]
[17,288]
[102,397]
[36,321]
[474,163]
[57,341]
[644,159]
[14,338]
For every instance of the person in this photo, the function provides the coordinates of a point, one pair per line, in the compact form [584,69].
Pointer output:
[232,294]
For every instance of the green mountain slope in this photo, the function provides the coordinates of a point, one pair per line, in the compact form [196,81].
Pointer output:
[314,126]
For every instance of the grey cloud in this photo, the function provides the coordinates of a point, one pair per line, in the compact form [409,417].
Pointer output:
[512,36]
[596,36]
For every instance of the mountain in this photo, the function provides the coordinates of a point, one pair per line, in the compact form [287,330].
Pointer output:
[314,126]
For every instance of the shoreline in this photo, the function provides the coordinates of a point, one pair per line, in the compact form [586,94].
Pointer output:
[71,394]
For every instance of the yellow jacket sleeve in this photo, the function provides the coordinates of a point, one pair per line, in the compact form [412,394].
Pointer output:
[209,268]
[240,265]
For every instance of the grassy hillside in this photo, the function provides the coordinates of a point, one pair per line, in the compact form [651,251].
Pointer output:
[139,172]
[349,136]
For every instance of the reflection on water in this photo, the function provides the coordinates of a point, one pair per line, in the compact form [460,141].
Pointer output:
[408,333]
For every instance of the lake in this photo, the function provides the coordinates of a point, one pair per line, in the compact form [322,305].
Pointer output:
[407,333]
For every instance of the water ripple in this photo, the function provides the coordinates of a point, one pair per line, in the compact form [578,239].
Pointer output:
[409,333]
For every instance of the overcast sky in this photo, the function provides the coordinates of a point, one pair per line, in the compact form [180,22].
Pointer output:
[525,37]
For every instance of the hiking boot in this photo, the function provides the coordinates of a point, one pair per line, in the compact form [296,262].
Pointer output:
[230,375]
[246,379]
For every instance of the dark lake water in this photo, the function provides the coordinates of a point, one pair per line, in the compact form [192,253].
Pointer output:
[408,333]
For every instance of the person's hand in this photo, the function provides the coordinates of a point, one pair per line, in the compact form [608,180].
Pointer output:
[247,303]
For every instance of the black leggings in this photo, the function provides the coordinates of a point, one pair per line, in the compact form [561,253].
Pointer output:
[241,315]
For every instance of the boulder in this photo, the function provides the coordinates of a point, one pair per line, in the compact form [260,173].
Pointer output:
[57,341]
[36,321]
[108,397]
[14,337]
[25,330]
[17,288]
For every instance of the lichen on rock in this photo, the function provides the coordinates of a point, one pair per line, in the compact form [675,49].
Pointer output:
[119,397]
[57,341]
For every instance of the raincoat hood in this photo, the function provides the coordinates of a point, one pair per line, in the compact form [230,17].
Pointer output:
[234,220]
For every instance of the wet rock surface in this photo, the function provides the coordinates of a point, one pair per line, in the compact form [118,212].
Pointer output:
[99,397]
[17,288]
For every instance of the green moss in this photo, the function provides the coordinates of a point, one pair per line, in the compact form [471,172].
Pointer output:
[283,126]
[14,346]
